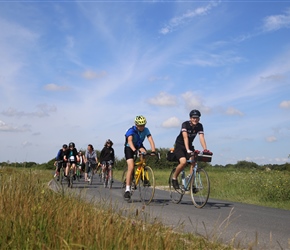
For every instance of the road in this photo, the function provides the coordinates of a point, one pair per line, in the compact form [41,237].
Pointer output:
[247,226]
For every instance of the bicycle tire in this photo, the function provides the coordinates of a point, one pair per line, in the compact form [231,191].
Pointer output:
[105,179]
[61,175]
[200,188]
[146,185]
[71,178]
[91,175]
[123,181]
[175,195]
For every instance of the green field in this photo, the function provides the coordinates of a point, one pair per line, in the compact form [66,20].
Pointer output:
[34,217]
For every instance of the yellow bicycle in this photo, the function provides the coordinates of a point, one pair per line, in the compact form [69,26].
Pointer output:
[142,179]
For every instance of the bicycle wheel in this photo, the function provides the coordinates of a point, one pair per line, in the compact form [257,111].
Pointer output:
[146,184]
[123,181]
[105,179]
[200,188]
[71,178]
[175,195]
[91,175]
[61,175]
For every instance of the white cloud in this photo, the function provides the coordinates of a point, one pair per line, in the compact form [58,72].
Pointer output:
[89,74]
[276,22]
[285,104]
[10,128]
[172,122]
[271,139]
[186,18]
[42,111]
[193,101]
[233,111]
[163,99]
[55,87]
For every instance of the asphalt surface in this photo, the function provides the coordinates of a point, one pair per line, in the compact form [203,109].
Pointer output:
[245,226]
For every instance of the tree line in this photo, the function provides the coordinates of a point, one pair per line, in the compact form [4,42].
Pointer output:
[163,163]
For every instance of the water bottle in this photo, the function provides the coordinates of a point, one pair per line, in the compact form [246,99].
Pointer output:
[137,172]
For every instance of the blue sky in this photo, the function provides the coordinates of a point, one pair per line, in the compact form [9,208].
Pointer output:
[82,70]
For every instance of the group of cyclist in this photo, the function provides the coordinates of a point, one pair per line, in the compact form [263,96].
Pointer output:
[134,138]
[69,157]
[183,150]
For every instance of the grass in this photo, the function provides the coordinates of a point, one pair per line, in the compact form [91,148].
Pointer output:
[251,186]
[34,217]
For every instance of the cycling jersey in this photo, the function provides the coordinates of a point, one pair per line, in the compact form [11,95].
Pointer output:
[91,156]
[60,155]
[192,131]
[107,154]
[71,155]
[138,136]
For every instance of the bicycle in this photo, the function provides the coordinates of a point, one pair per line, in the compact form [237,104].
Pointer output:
[107,174]
[70,177]
[143,178]
[78,172]
[59,177]
[91,171]
[197,182]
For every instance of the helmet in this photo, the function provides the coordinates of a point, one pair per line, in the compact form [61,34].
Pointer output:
[194,113]
[71,144]
[64,146]
[140,120]
[109,141]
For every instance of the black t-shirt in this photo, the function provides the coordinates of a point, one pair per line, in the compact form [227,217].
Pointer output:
[60,155]
[192,131]
[107,154]
[71,155]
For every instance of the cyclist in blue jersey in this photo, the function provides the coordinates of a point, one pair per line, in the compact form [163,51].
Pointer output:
[135,137]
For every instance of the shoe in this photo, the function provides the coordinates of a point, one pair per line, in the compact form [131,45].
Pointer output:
[88,180]
[175,184]
[147,183]
[127,195]
[74,177]
[194,190]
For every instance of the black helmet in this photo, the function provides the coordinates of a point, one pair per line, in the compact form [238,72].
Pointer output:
[109,141]
[64,146]
[194,113]
[71,144]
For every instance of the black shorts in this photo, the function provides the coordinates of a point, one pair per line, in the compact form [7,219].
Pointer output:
[129,153]
[182,152]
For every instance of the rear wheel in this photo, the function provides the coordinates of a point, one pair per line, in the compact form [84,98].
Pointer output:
[71,178]
[146,185]
[200,188]
[175,194]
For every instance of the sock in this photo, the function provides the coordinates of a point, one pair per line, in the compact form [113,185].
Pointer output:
[127,188]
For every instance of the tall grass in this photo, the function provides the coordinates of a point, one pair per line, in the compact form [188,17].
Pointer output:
[34,217]
[253,186]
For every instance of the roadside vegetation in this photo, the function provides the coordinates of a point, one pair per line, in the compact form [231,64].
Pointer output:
[34,217]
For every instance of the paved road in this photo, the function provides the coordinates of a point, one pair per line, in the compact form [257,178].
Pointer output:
[248,226]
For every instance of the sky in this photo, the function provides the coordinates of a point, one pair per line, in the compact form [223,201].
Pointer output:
[80,71]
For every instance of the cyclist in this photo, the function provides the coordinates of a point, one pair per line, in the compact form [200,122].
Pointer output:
[107,158]
[90,157]
[183,143]
[81,163]
[72,158]
[134,138]
[59,160]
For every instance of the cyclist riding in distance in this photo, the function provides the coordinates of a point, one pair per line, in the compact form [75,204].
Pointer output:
[183,143]
[90,157]
[134,142]
[107,157]
[72,158]
[59,160]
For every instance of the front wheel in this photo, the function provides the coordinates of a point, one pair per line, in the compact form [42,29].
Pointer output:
[175,194]
[146,185]
[123,182]
[200,188]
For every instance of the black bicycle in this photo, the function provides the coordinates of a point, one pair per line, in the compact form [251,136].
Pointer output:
[197,183]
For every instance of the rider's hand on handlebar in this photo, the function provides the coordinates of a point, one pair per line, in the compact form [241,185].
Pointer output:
[207,151]
[153,153]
